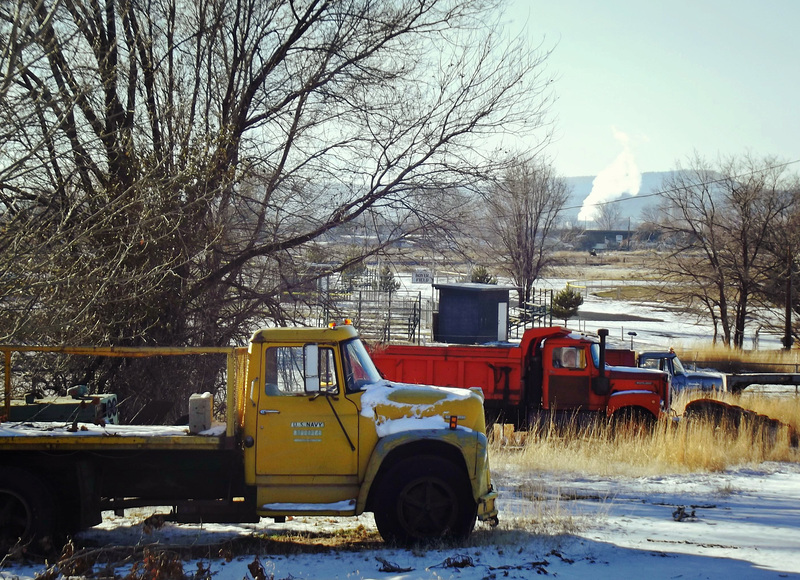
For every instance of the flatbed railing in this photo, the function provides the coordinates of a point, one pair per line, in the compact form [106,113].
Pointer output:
[236,364]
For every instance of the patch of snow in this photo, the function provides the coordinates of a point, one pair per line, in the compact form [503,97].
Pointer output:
[393,426]
[636,370]
[631,392]
[215,430]
[745,525]
[339,506]
[380,395]
[412,415]
[61,429]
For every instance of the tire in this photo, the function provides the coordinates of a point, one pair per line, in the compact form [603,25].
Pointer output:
[27,512]
[422,499]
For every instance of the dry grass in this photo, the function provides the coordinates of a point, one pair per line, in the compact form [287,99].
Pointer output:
[669,447]
[541,512]
[637,265]
[730,360]
[632,293]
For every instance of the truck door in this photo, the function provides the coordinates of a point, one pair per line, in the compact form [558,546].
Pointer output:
[304,437]
[568,376]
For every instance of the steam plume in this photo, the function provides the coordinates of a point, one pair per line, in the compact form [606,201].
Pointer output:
[622,176]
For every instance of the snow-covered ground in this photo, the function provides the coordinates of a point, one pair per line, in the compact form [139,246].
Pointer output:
[657,325]
[743,523]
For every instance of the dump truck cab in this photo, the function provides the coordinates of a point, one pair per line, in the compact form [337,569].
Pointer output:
[575,377]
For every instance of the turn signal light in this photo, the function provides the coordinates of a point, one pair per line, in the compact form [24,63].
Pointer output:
[453,422]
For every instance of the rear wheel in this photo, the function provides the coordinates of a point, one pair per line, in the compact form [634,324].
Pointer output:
[26,511]
[422,499]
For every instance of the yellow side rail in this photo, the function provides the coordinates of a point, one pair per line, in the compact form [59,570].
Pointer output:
[232,352]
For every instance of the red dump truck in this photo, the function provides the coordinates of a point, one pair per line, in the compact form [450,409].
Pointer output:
[552,369]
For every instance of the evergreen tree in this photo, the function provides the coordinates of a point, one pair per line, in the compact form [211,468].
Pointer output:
[566,303]
[480,275]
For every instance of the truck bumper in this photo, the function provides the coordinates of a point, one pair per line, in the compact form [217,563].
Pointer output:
[487,510]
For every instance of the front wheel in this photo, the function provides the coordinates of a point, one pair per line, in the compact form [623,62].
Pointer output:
[26,511]
[422,499]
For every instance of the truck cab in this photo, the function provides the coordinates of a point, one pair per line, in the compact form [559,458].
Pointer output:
[681,378]
[575,377]
[325,434]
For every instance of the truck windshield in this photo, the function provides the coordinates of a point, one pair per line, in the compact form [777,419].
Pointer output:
[596,355]
[676,364]
[358,367]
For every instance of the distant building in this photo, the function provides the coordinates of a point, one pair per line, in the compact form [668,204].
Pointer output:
[604,240]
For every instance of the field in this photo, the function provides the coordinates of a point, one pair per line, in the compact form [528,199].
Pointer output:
[671,447]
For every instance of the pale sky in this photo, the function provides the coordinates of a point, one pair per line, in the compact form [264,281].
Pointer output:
[717,76]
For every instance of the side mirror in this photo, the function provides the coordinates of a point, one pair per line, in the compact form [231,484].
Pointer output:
[311,358]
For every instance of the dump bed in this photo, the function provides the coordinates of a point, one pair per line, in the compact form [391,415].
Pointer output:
[497,370]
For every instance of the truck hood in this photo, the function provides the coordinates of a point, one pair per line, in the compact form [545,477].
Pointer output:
[398,407]
[646,379]
[703,380]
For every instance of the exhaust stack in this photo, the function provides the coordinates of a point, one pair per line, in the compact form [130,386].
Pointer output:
[602,333]
[601,384]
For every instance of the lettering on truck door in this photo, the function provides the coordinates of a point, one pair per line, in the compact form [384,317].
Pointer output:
[299,438]
[569,378]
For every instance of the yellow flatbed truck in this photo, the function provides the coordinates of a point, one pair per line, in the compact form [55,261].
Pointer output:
[311,428]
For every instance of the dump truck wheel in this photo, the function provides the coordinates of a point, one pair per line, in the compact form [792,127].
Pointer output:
[26,512]
[422,499]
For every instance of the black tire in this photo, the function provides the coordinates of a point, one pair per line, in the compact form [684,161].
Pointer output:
[422,499]
[27,512]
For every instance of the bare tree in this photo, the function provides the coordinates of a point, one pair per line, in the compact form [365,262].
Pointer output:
[718,218]
[781,289]
[519,220]
[165,164]
[609,215]
[169,160]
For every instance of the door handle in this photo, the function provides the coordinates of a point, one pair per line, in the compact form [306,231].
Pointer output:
[268,411]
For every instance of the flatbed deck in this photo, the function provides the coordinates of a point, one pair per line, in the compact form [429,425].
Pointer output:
[49,436]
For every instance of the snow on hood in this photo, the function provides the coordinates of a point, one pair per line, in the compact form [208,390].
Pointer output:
[634,371]
[400,407]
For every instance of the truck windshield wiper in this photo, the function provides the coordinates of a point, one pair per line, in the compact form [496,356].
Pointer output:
[335,414]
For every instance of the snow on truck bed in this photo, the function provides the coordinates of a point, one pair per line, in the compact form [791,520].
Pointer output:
[61,429]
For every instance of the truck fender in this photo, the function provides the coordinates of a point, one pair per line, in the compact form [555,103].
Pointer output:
[447,443]
[646,400]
